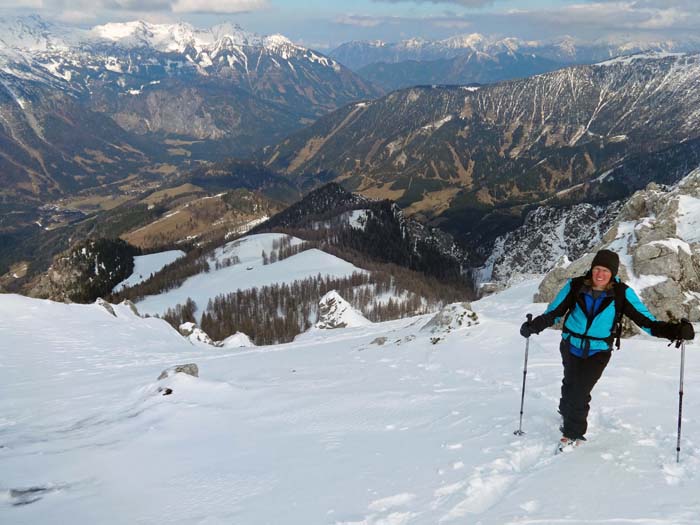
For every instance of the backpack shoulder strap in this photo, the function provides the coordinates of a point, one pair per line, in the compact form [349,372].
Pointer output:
[620,289]
[575,288]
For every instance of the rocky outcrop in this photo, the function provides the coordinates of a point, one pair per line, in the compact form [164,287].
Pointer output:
[87,271]
[657,236]
[104,304]
[451,317]
[190,369]
[336,312]
[196,335]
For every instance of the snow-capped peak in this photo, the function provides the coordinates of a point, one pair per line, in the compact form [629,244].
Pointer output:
[278,44]
[35,34]
[464,41]
[176,37]
[163,37]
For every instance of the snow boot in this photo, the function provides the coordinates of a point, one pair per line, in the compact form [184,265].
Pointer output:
[568,445]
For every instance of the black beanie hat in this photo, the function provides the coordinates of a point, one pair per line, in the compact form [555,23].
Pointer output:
[608,259]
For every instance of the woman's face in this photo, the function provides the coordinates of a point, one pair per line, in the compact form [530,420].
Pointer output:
[601,277]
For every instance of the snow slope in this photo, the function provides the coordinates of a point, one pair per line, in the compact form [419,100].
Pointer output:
[366,425]
[249,273]
[145,265]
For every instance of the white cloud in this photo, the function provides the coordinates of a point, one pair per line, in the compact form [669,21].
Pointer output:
[453,24]
[464,3]
[22,4]
[218,6]
[358,21]
[614,15]
[86,9]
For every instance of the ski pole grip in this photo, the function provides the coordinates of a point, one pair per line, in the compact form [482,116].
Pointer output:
[529,318]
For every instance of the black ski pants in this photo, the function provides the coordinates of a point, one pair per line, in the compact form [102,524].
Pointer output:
[580,376]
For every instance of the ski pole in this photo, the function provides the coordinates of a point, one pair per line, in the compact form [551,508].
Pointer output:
[680,404]
[520,432]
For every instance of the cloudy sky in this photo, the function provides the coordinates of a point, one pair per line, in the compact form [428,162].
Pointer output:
[327,23]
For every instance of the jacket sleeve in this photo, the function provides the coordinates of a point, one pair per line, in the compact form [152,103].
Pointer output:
[556,309]
[640,314]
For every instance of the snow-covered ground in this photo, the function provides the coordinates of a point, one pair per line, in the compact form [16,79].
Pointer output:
[367,425]
[249,273]
[145,265]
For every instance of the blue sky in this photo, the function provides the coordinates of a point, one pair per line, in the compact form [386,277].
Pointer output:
[324,24]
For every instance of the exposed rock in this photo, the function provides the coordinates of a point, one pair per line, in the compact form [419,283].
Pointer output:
[87,271]
[657,236]
[452,317]
[196,335]
[189,368]
[547,235]
[131,306]
[104,304]
[336,312]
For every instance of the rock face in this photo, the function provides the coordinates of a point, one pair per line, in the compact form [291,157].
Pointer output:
[548,237]
[336,312]
[657,236]
[87,271]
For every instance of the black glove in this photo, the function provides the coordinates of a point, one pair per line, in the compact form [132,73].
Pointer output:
[535,326]
[674,331]
[526,329]
[685,330]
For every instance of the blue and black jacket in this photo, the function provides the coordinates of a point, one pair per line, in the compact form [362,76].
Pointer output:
[589,324]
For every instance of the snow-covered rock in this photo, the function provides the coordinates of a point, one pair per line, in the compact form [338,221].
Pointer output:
[656,237]
[237,340]
[189,368]
[196,335]
[336,312]
[452,317]
[104,304]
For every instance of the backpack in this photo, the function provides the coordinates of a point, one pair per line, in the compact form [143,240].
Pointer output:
[619,290]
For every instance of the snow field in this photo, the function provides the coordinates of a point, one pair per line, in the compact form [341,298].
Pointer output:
[250,273]
[145,265]
[334,428]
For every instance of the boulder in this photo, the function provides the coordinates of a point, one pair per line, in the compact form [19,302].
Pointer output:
[131,306]
[190,369]
[104,304]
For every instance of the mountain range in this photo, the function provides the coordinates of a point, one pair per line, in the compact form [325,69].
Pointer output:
[567,50]
[470,69]
[474,159]
[476,58]
[87,108]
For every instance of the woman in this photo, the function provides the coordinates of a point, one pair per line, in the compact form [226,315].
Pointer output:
[592,306]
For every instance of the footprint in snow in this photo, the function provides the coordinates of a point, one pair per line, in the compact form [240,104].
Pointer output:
[489,483]
[385,511]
